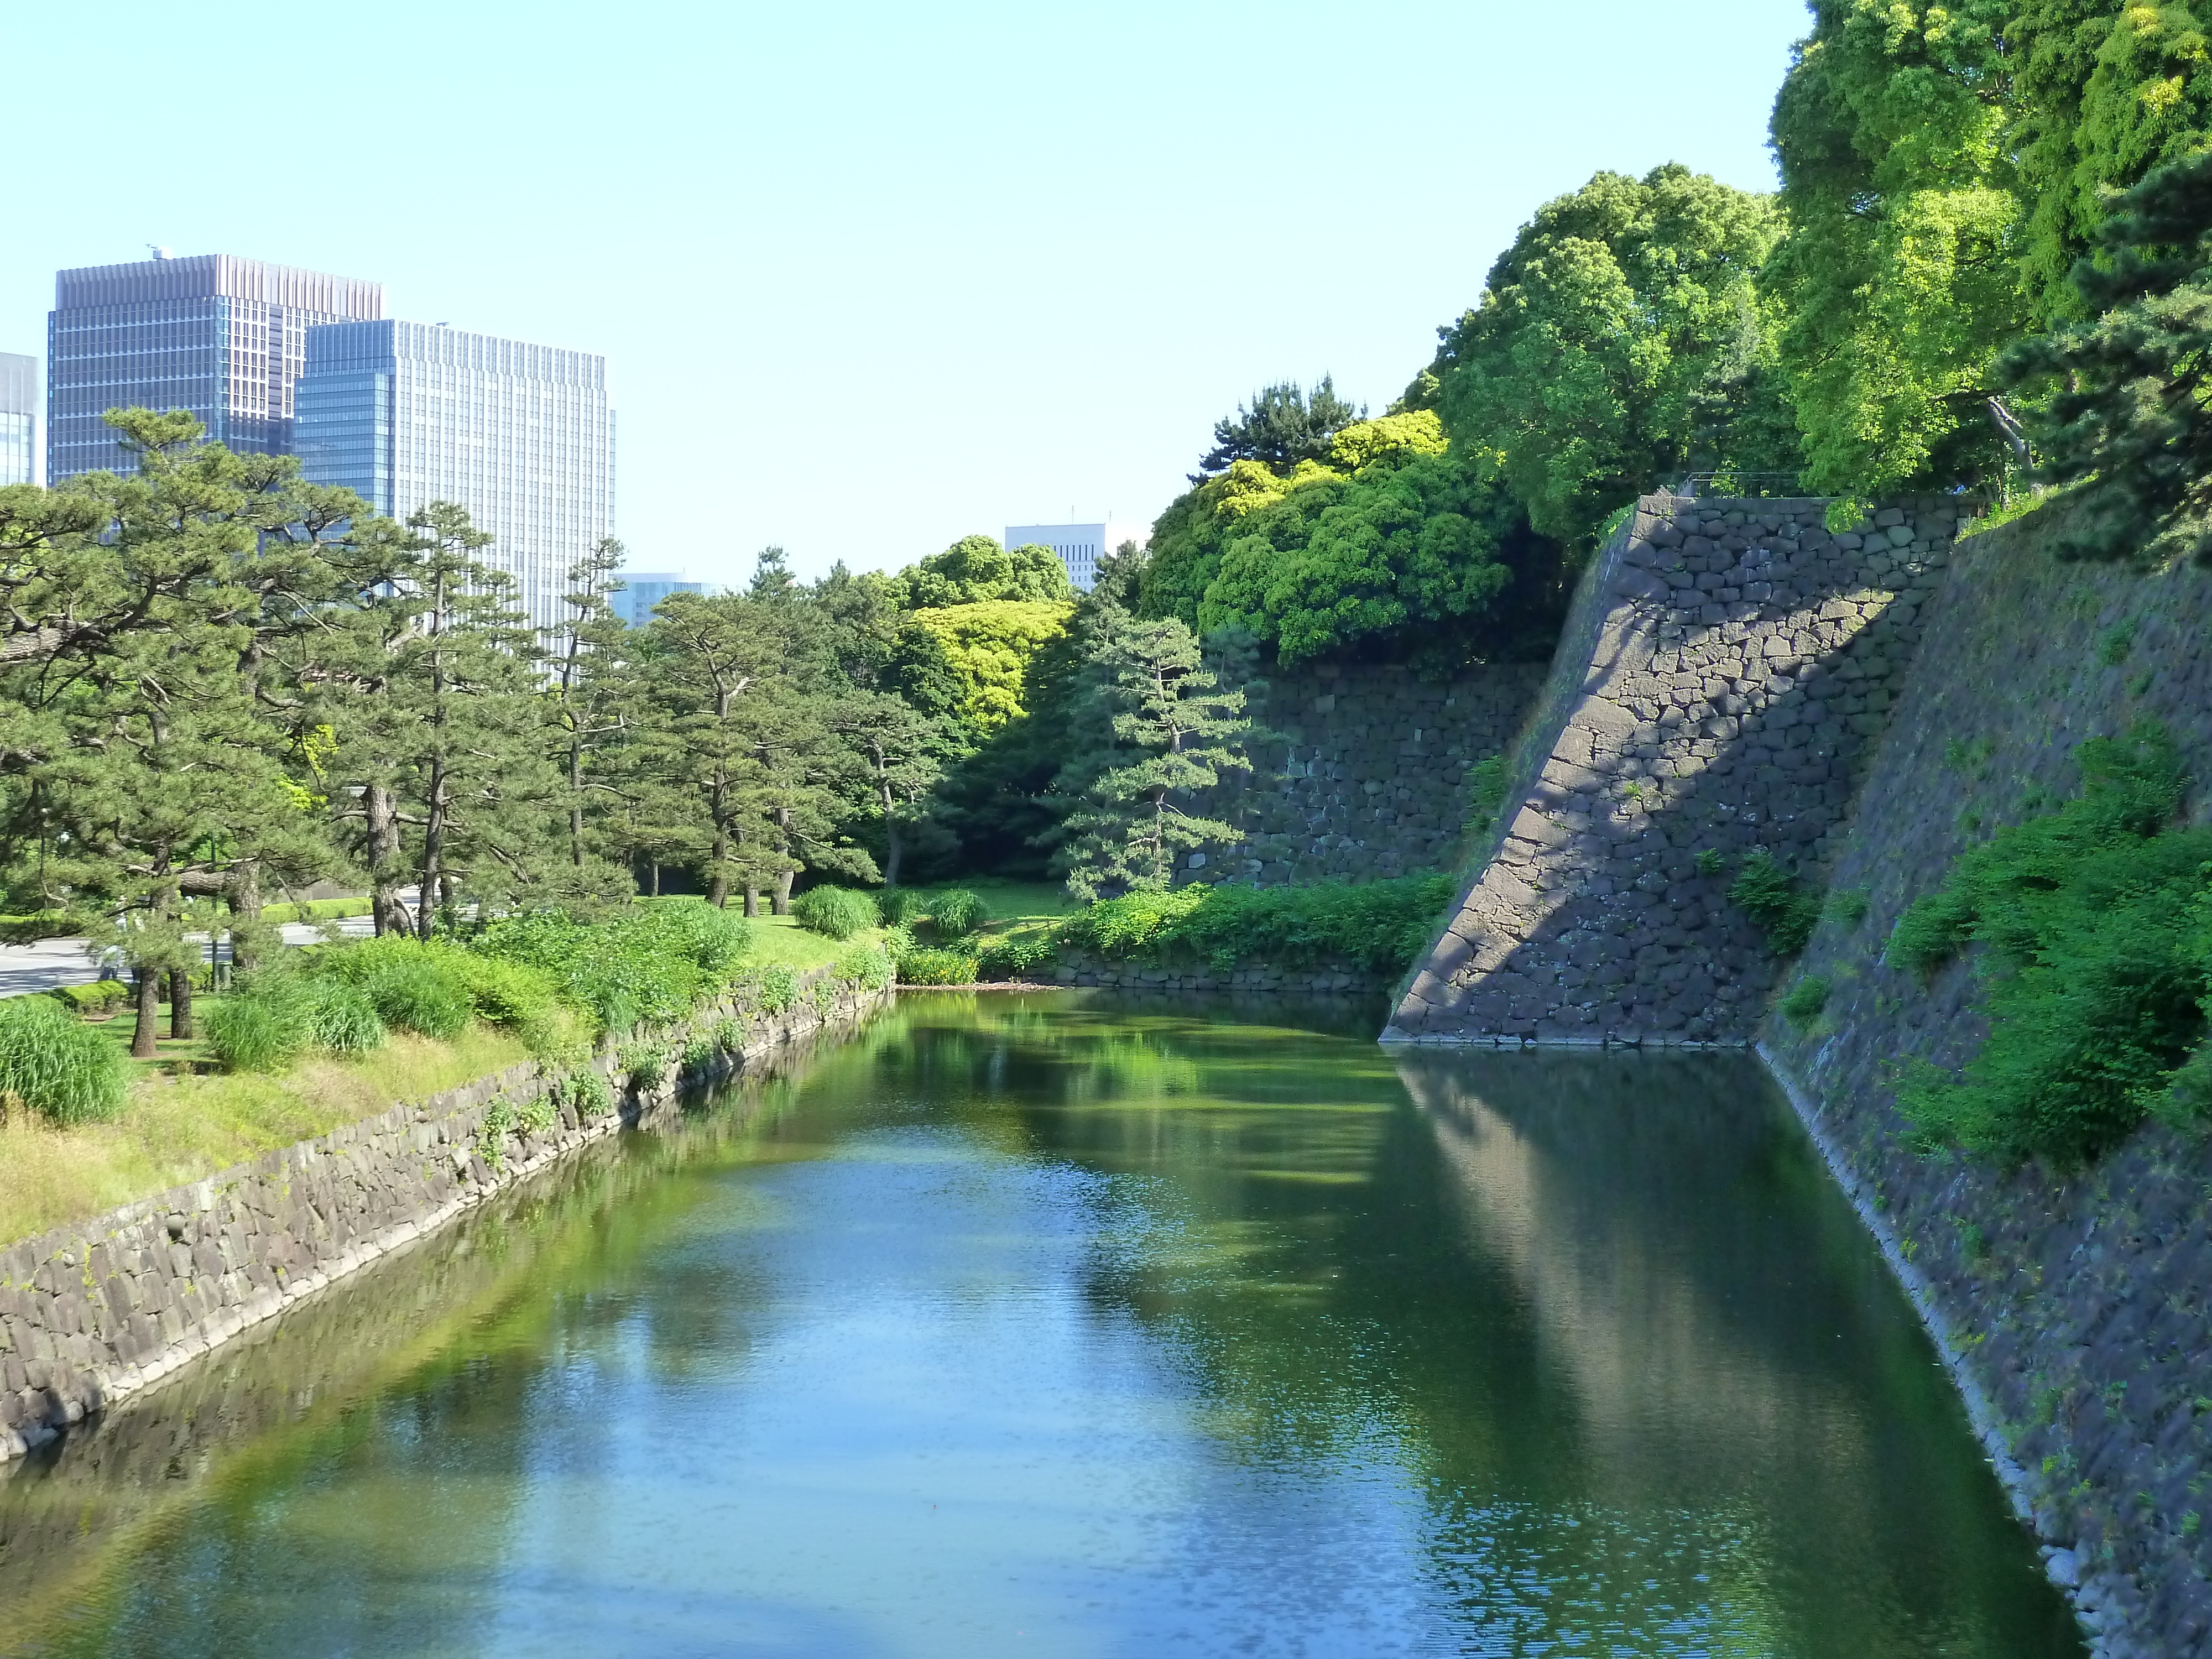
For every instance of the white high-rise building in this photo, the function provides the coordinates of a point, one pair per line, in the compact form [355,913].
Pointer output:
[19,420]
[405,414]
[1081,546]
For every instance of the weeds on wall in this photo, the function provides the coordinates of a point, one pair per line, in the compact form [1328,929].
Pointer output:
[2095,927]
[1784,908]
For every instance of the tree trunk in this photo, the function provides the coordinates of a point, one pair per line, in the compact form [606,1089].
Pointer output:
[783,892]
[656,882]
[143,1038]
[432,873]
[385,872]
[180,1003]
[718,884]
[752,897]
[245,900]
[893,850]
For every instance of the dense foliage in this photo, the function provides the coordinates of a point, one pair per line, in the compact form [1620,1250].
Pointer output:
[2097,960]
[1378,926]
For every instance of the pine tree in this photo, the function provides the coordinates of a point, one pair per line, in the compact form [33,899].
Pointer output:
[2127,419]
[590,711]
[1173,735]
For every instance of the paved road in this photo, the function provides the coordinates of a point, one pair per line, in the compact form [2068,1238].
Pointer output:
[51,962]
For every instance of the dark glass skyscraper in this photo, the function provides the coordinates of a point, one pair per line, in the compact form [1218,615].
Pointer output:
[225,338]
[405,414]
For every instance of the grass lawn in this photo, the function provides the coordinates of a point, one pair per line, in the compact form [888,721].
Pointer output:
[181,1123]
[779,940]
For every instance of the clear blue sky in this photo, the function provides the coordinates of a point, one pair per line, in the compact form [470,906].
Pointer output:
[870,277]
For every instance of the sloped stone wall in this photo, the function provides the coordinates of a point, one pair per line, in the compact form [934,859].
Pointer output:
[2074,1305]
[94,1311]
[1366,776]
[1726,664]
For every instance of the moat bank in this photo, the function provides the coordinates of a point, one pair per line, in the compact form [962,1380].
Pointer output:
[1061,1321]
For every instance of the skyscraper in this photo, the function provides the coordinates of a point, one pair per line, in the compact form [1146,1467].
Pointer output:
[222,338]
[1081,546]
[644,589]
[406,414]
[19,419]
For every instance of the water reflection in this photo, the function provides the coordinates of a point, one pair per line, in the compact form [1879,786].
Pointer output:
[1062,1325]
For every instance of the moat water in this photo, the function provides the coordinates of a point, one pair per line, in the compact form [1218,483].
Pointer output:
[1057,1324]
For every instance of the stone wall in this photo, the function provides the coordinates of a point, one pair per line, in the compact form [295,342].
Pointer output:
[2076,1306]
[92,1312]
[1723,670]
[1366,776]
[1331,979]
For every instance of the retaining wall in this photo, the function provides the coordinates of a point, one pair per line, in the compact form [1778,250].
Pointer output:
[1363,772]
[94,1311]
[2078,1305]
[1723,670]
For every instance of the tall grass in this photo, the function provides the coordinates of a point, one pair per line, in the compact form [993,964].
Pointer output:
[835,913]
[59,1067]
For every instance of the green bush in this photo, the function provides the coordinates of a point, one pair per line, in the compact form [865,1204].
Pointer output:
[701,1052]
[1807,997]
[2095,927]
[1485,795]
[645,1064]
[101,996]
[535,1116]
[936,967]
[902,907]
[956,913]
[778,988]
[870,969]
[413,986]
[589,1093]
[1379,926]
[1016,955]
[650,965]
[342,1018]
[835,913]
[57,1065]
[266,1022]
[1785,911]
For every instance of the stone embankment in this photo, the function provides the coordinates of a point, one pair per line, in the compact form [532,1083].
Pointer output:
[1361,770]
[2074,1305]
[1331,979]
[95,1311]
[1723,673]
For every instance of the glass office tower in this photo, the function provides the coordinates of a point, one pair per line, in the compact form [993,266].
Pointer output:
[19,419]
[644,589]
[405,414]
[225,338]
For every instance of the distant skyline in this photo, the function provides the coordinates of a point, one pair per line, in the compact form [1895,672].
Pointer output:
[873,278]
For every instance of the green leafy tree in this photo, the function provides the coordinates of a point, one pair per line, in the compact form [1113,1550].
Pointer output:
[1622,340]
[590,701]
[2128,392]
[974,570]
[2101,94]
[901,755]
[1900,276]
[1173,734]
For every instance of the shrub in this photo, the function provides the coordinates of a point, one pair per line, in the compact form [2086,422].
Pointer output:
[1379,926]
[935,967]
[645,1063]
[2096,925]
[1807,997]
[870,969]
[700,1051]
[342,1019]
[1015,955]
[413,986]
[903,906]
[650,965]
[835,913]
[729,1037]
[57,1067]
[778,988]
[1783,908]
[589,1093]
[101,996]
[956,913]
[268,1021]
[535,1116]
